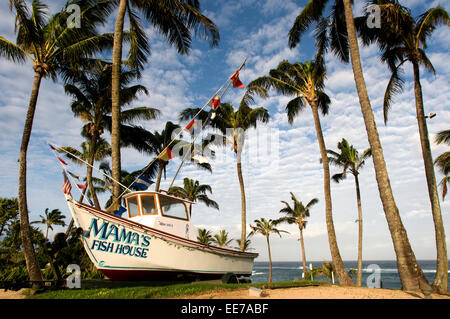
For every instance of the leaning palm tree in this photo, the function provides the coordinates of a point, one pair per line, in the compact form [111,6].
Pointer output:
[222,239]
[297,215]
[265,228]
[233,126]
[305,82]
[53,217]
[411,275]
[175,19]
[349,159]
[402,39]
[52,46]
[443,161]
[91,92]
[204,236]
[194,191]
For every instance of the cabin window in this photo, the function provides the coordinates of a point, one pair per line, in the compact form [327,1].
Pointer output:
[133,207]
[172,208]
[148,205]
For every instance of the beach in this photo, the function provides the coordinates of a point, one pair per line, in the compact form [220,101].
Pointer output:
[312,292]
[318,292]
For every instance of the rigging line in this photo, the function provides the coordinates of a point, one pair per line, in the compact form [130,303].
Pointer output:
[181,131]
[206,122]
[64,169]
[99,171]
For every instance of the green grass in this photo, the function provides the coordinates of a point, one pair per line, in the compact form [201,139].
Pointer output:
[156,292]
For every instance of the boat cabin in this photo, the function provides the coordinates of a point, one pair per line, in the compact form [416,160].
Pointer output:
[160,211]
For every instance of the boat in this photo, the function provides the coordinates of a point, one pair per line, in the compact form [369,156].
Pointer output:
[152,235]
[154,239]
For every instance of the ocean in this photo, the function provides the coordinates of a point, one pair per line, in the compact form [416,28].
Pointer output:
[387,273]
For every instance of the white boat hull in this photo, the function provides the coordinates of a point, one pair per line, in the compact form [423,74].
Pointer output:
[125,250]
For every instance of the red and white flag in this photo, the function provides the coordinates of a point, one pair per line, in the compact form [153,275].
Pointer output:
[190,127]
[61,160]
[236,81]
[215,102]
[67,187]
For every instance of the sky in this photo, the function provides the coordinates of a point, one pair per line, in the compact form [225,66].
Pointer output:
[287,157]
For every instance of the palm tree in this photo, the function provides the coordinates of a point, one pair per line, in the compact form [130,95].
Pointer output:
[54,217]
[297,215]
[175,19]
[246,244]
[101,150]
[204,236]
[443,161]
[51,45]
[411,275]
[403,39]
[222,239]
[194,191]
[349,160]
[305,82]
[233,125]
[265,228]
[156,143]
[91,92]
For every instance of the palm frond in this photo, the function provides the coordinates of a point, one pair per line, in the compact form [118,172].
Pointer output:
[394,87]
[311,13]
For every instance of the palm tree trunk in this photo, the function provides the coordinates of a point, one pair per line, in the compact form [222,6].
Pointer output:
[342,274]
[411,275]
[302,243]
[270,259]
[89,168]
[115,95]
[441,279]
[158,179]
[360,231]
[243,205]
[33,268]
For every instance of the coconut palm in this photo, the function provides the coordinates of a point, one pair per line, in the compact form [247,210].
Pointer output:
[266,227]
[305,82]
[101,150]
[297,215]
[204,236]
[51,44]
[410,273]
[443,161]
[194,191]
[175,19]
[233,126]
[53,217]
[222,239]
[246,244]
[349,159]
[403,39]
[91,92]
[162,143]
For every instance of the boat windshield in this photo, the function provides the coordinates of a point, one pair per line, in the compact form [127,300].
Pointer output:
[148,204]
[172,208]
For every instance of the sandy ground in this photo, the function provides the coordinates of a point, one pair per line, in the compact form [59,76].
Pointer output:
[323,292]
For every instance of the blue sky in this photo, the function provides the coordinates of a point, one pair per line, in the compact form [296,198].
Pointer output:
[256,30]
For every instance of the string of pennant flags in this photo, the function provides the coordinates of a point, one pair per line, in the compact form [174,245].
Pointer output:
[166,155]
